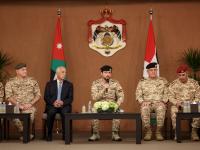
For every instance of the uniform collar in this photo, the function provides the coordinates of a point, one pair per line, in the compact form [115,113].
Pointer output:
[184,82]
[152,78]
[59,81]
[21,79]
[103,80]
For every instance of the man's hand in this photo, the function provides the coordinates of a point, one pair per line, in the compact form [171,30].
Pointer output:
[58,103]
[21,107]
[106,85]
[55,104]
[119,103]
[145,103]
[179,104]
[27,106]
[160,103]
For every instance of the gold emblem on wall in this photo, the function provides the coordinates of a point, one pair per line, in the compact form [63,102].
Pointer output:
[107,35]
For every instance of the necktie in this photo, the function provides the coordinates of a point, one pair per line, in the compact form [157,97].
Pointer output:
[59,90]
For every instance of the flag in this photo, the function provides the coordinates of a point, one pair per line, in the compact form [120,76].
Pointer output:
[151,52]
[57,51]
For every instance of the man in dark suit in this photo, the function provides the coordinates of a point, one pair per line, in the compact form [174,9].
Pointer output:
[58,97]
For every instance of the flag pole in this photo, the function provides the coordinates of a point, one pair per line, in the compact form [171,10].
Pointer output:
[57,121]
[151,13]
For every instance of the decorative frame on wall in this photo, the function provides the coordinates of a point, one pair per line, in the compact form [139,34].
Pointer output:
[107,35]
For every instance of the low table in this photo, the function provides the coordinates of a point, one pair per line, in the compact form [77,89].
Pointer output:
[102,116]
[183,116]
[25,117]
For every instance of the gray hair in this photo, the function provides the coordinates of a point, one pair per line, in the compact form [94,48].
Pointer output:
[59,68]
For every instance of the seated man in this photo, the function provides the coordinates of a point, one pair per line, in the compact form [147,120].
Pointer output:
[180,90]
[151,93]
[23,90]
[58,96]
[105,89]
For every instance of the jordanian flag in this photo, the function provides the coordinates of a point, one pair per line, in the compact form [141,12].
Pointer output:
[151,52]
[57,51]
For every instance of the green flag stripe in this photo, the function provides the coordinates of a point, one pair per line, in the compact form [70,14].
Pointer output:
[57,63]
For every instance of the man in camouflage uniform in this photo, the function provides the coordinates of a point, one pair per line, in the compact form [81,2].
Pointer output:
[1,92]
[180,90]
[106,89]
[151,93]
[23,90]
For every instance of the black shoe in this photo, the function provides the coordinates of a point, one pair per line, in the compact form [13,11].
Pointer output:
[49,138]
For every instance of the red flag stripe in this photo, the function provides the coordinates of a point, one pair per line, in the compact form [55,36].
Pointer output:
[58,51]
[150,46]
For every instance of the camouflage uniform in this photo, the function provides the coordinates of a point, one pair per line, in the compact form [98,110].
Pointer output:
[180,92]
[114,93]
[155,92]
[23,91]
[1,92]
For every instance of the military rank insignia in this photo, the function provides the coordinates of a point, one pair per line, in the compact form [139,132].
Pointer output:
[107,35]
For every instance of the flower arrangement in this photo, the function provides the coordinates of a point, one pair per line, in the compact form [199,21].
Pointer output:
[106,106]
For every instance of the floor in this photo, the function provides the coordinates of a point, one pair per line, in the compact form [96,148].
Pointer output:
[80,143]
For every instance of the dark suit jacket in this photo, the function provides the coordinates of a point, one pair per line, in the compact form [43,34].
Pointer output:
[51,90]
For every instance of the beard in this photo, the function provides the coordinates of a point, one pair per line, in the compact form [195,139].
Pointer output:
[107,79]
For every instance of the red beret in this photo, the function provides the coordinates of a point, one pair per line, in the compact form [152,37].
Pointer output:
[182,68]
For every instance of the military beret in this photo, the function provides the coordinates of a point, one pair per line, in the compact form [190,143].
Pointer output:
[182,68]
[20,65]
[106,68]
[151,65]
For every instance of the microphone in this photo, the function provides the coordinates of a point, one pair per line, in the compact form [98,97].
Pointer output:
[107,81]
[106,90]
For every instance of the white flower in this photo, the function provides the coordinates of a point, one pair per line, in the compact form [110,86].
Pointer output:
[113,105]
[105,106]
[97,105]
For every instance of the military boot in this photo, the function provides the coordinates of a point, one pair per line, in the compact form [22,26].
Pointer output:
[95,137]
[148,134]
[194,135]
[175,137]
[159,136]
[115,136]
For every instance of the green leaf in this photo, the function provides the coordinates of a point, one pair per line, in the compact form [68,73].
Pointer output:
[5,60]
[191,57]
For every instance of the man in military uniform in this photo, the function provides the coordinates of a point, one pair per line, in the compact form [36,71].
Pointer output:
[151,93]
[1,92]
[180,90]
[106,89]
[23,90]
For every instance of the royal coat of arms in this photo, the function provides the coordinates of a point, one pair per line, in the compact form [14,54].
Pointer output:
[107,35]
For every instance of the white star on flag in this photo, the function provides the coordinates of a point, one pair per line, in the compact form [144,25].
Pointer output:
[59,46]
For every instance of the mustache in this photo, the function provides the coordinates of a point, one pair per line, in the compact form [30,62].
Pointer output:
[107,80]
